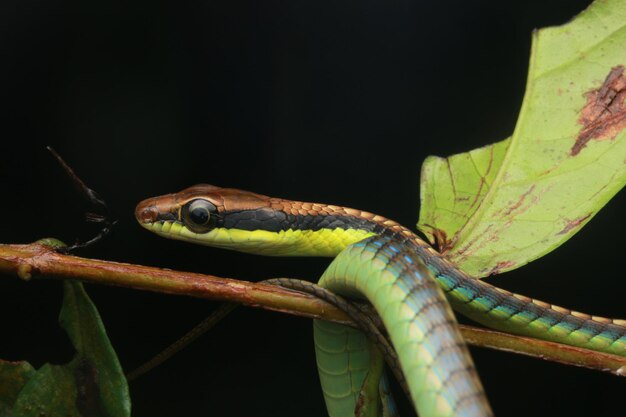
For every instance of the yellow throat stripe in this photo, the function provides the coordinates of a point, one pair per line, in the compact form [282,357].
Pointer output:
[323,242]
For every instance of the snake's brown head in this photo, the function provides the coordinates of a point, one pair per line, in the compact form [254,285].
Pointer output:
[197,206]
[205,214]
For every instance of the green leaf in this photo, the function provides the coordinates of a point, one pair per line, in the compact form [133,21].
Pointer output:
[13,377]
[499,207]
[92,384]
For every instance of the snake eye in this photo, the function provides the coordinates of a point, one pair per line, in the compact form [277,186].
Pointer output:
[198,215]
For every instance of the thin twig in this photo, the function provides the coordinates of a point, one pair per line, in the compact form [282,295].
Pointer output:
[205,325]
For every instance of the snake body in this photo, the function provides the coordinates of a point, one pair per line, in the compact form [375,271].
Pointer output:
[422,327]
[399,273]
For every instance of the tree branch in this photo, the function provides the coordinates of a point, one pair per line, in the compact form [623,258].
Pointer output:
[39,260]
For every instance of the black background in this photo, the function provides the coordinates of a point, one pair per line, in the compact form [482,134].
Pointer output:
[336,102]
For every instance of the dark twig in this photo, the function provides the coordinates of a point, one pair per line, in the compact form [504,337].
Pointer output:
[101,214]
[205,325]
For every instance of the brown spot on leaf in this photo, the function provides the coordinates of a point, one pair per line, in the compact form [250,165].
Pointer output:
[465,250]
[519,202]
[572,224]
[604,115]
[500,266]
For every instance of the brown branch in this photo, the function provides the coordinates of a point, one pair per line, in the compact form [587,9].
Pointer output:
[542,349]
[41,261]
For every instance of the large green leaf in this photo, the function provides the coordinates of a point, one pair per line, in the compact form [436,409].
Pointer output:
[92,384]
[496,208]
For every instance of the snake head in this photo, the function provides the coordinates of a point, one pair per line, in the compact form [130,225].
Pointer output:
[212,216]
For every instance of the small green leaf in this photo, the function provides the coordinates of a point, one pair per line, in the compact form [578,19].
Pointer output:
[13,377]
[91,385]
[52,242]
[499,207]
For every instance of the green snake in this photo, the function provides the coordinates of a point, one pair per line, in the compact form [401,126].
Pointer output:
[404,278]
